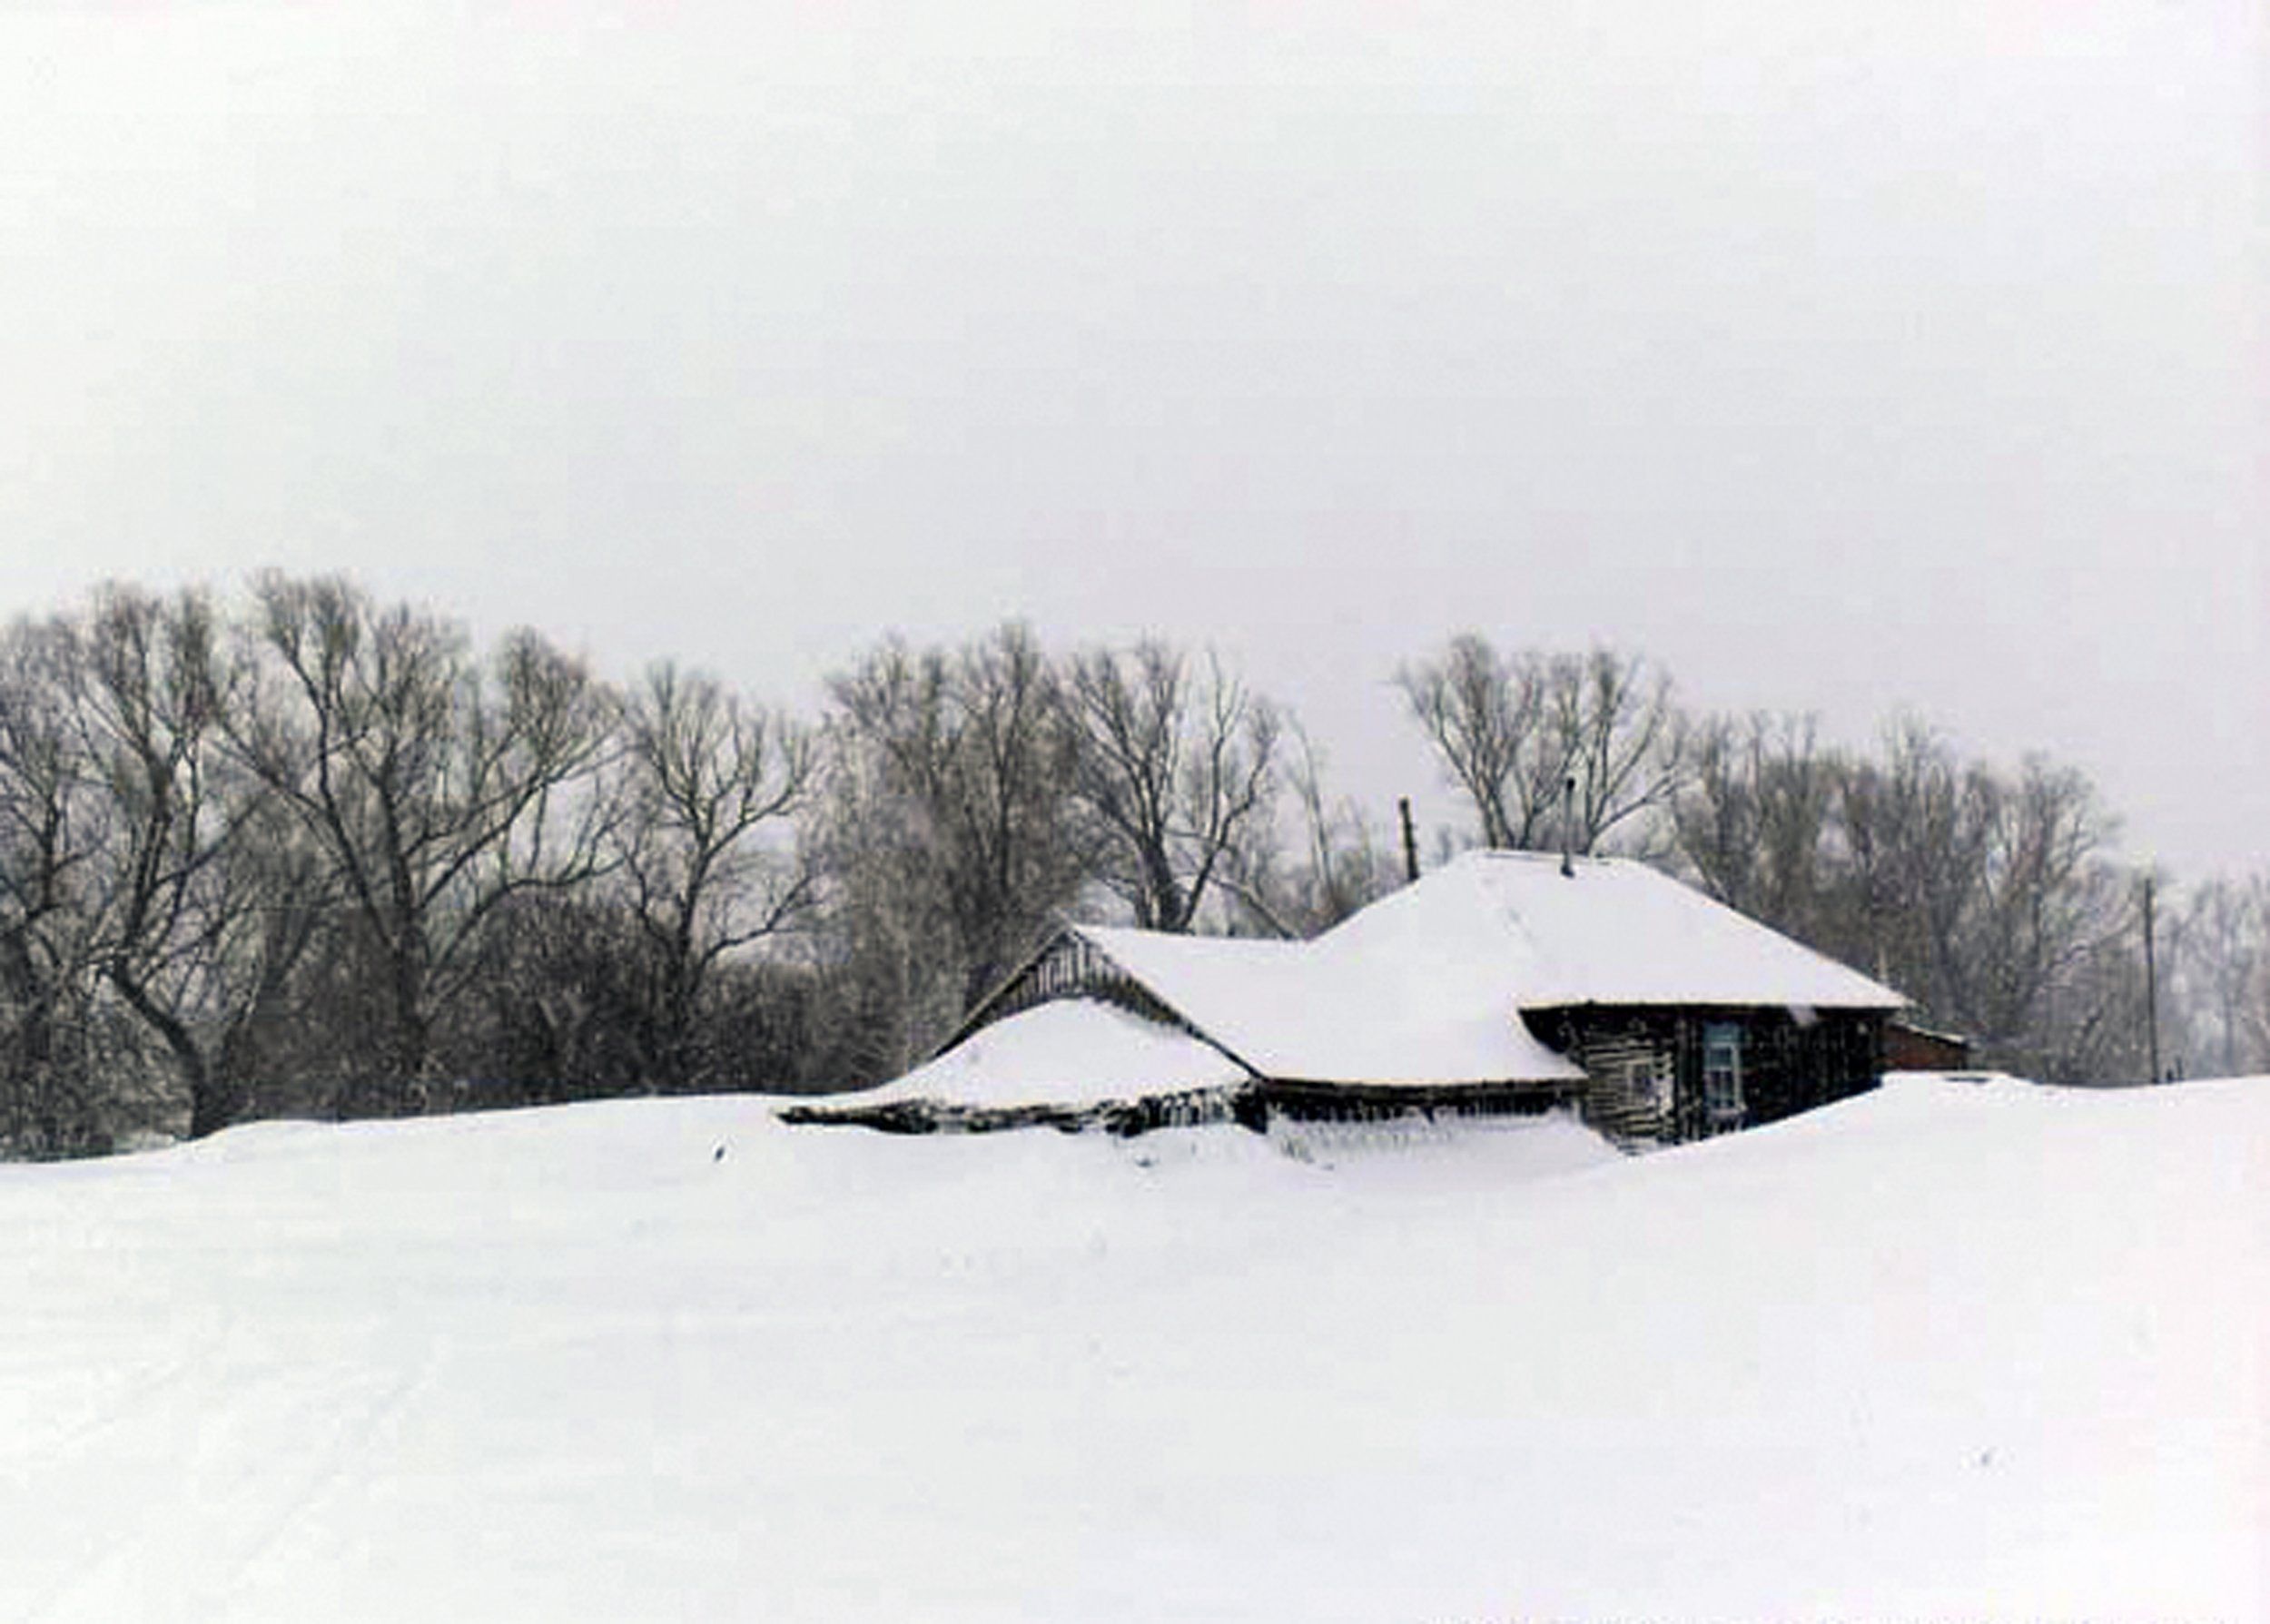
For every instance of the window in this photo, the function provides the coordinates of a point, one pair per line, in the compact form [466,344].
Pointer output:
[1721,1075]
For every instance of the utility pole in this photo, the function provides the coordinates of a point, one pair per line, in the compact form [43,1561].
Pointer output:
[2151,981]
[1410,840]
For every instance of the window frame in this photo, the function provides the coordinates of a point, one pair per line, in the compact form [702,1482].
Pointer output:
[1724,1104]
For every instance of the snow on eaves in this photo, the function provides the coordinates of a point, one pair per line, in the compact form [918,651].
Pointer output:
[1071,1052]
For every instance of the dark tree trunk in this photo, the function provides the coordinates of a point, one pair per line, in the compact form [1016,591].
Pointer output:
[215,1102]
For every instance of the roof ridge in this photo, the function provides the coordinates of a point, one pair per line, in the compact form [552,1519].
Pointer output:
[1510,853]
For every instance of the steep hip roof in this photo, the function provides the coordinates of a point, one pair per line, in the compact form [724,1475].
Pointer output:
[1611,931]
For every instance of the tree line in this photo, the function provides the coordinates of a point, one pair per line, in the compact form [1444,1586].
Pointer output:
[306,852]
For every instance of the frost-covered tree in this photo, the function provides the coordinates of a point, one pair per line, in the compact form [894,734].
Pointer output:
[954,773]
[2221,980]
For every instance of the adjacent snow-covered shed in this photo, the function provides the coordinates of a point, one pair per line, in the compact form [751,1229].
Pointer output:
[1503,982]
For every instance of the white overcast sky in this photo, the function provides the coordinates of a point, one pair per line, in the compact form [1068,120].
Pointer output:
[1843,357]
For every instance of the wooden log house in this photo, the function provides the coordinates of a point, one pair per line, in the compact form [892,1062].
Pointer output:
[1505,983]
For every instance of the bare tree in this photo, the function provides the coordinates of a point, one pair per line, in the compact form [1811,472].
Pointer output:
[1987,896]
[1339,864]
[964,765]
[1178,771]
[1519,731]
[2224,981]
[558,1003]
[2055,952]
[1755,819]
[1991,899]
[709,780]
[2252,1010]
[1914,832]
[889,967]
[1484,714]
[435,786]
[1618,735]
[196,932]
[52,833]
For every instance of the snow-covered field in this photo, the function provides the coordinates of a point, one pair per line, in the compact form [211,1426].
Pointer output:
[1949,1350]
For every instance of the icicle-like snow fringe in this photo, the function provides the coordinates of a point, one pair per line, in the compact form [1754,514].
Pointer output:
[1382,1130]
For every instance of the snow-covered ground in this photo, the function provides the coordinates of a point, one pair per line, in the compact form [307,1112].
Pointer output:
[1949,1350]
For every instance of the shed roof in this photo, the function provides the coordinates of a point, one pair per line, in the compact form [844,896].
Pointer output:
[1069,1052]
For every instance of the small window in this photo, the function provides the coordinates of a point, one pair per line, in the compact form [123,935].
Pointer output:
[1721,1075]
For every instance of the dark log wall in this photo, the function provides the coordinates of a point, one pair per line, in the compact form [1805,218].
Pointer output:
[1645,1065]
[1356,1102]
[1790,1066]
[1126,1117]
[1632,1061]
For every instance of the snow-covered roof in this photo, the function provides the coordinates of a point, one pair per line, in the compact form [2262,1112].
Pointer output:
[1422,987]
[1614,932]
[1295,1011]
[1070,1052]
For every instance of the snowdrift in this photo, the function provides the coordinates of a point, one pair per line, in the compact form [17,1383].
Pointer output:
[1947,1351]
